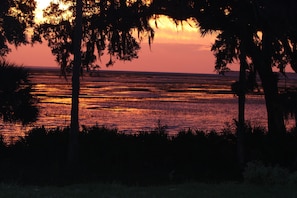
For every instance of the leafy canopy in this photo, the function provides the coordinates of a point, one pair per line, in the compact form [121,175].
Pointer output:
[109,26]
[247,21]
[15,17]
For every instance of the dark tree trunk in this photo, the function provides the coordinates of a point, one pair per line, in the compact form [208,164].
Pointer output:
[241,106]
[74,125]
[269,80]
[276,123]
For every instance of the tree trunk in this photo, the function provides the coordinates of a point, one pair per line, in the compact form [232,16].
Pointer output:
[269,80]
[276,123]
[74,125]
[241,107]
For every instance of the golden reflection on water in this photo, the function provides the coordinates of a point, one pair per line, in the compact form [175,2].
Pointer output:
[58,100]
[136,101]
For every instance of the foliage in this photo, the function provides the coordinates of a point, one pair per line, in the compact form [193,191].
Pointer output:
[15,17]
[16,101]
[108,26]
[241,21]
[289,105]
[250,32]
[107,155]
[258,173]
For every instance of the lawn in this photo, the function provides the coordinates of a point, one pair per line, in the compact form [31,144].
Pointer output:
[189,190]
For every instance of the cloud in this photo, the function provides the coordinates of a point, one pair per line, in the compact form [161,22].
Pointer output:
[187,32]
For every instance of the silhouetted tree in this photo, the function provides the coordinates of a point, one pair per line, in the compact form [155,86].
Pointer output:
[15,17]
[229,46]
[109,27]
[16,101]
[251,30]
[17,104]
[268,42]
[278,33]
[95,27]
[74,125]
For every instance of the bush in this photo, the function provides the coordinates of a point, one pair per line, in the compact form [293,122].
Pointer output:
[151,157]
[293,178]
[258,173]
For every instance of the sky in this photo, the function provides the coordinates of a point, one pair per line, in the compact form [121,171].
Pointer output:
[174,49]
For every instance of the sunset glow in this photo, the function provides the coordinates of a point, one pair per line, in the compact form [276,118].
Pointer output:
[41,4]
[177,47]
[168,30]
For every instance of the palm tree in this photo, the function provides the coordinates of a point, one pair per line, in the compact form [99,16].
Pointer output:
[17,104]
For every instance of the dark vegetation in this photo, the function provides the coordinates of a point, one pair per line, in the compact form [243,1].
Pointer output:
[17,103]
[154,157]
[188,190]
[148,158]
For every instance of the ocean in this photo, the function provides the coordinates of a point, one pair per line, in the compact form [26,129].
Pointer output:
[138,101]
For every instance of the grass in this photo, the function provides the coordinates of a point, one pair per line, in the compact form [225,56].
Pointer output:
[188,190]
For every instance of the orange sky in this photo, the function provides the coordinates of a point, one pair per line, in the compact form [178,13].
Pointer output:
[175,49]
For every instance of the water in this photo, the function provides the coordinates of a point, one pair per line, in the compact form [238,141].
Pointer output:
[134,101]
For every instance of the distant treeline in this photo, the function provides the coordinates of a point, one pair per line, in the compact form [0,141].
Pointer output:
[147,158]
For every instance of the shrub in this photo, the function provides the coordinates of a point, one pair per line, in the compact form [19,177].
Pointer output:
[148,157]
[293,178]
[17,104]
[258,173]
